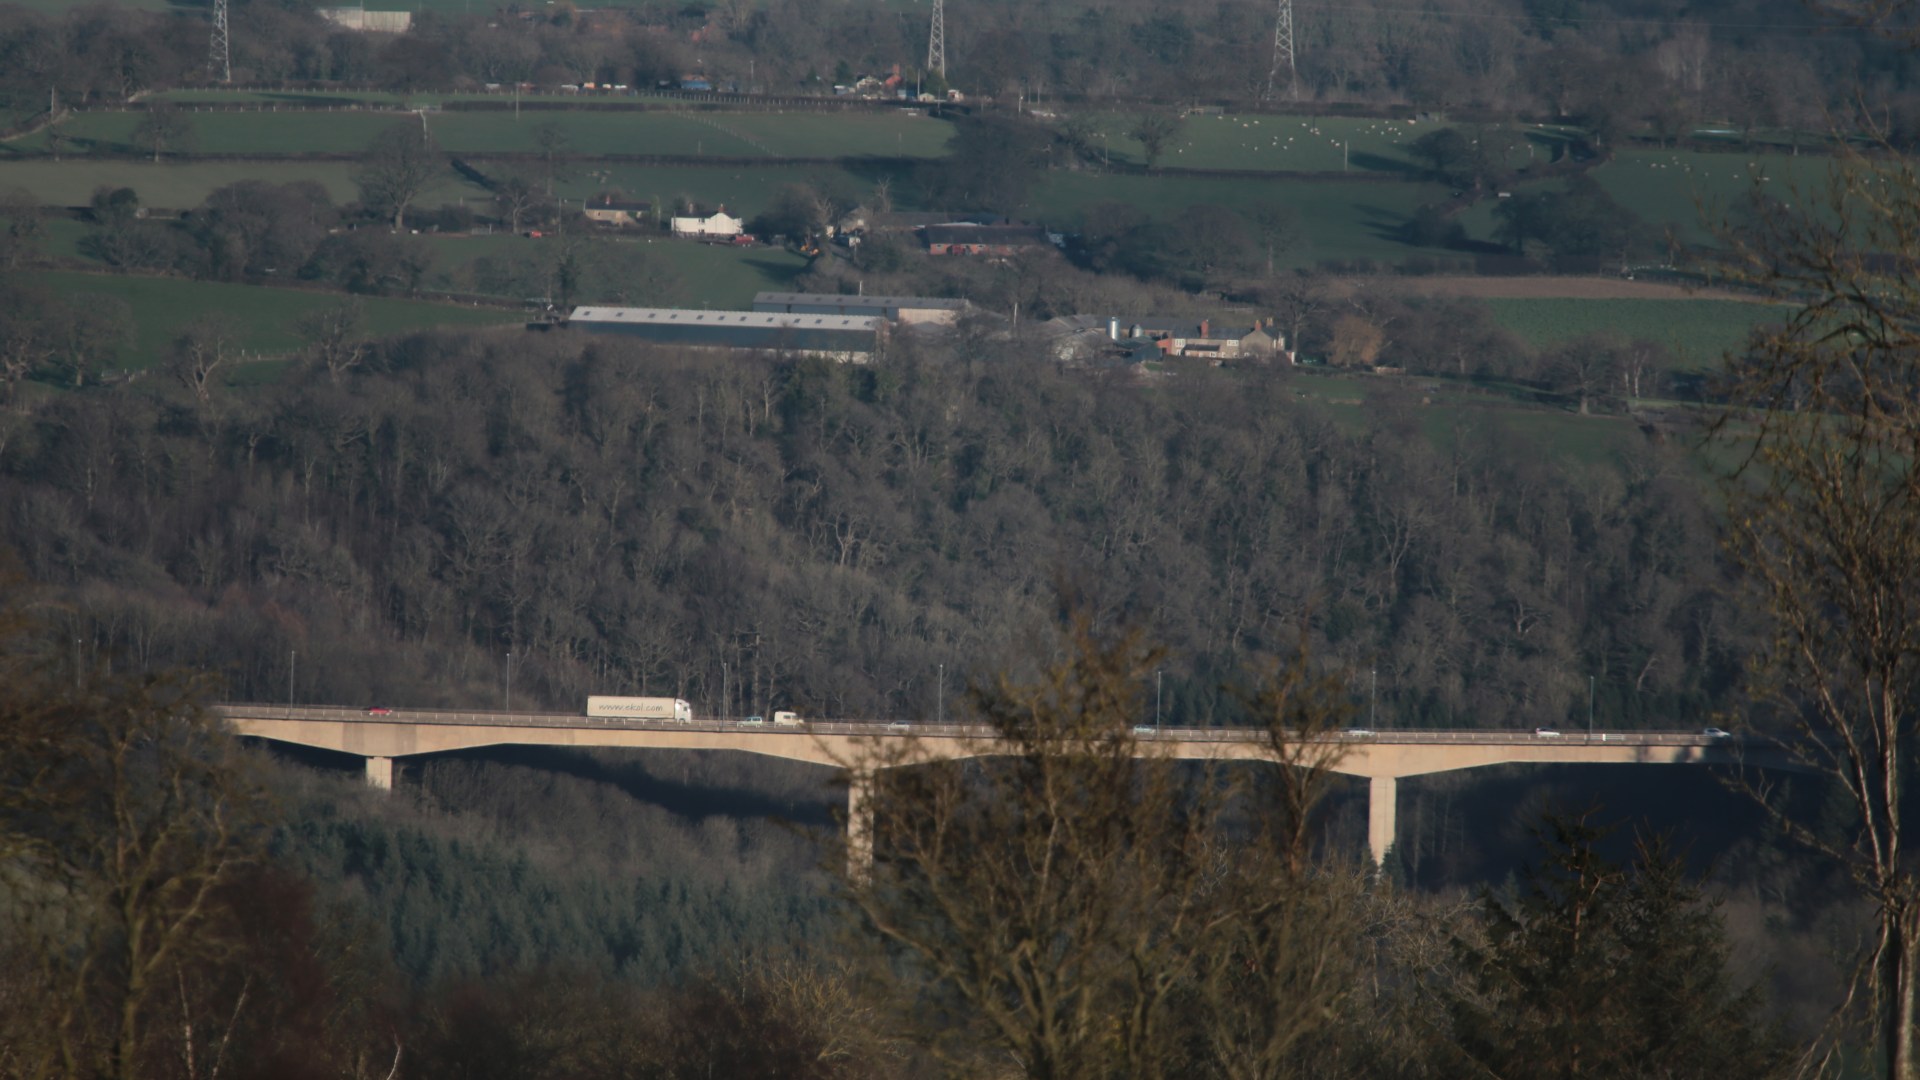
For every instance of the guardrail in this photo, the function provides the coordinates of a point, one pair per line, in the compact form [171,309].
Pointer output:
[903,729]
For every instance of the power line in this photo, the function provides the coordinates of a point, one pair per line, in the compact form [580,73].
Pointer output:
[219,63]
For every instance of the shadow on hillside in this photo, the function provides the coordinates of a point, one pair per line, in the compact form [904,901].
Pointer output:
[1382,163]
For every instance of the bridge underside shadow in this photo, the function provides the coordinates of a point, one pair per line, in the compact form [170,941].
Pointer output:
[692,784]
[1469,827]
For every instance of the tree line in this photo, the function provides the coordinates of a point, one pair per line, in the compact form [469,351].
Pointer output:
[1612,66]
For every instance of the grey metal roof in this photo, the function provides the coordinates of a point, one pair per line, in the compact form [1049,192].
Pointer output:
[766,320]
[837,299]
[967,232]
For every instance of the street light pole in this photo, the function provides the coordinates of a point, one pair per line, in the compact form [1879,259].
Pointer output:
[1589,708]
[1373,697]
[940,696]
[509,680]
[1157,676]
[291,654]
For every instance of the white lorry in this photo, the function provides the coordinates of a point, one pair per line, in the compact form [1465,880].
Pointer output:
[641,708]
[787,719]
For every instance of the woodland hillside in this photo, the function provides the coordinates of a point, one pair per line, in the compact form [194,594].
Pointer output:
[760,532]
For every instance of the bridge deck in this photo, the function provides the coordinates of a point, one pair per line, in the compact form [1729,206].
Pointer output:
[1387,753]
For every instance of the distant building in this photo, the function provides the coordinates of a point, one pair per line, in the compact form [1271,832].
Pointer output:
[1204,340]
[608,211]
[719,226]
[372,22]
[901,309]
[848,338]
[970,238]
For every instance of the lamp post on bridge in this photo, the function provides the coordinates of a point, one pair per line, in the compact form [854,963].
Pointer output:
[509,680]
[940,696]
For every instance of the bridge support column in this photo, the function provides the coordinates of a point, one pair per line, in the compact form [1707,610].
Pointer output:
[1382,794]
[859,826]
[380,773]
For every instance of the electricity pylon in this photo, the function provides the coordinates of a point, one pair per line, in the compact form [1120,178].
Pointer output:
[937,39]
[1283,52]
[219,63]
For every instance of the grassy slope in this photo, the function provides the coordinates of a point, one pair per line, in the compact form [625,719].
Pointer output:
[710,275]
[1675,187]
[162,307]
[181,187]
[1337,220]
[1443,408]
[1698,331]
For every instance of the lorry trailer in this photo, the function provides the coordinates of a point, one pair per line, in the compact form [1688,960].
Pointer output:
[641,708]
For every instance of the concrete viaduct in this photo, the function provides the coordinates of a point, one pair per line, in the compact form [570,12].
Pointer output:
[1382,757]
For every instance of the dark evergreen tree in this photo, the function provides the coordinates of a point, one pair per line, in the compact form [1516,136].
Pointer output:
[1589,968]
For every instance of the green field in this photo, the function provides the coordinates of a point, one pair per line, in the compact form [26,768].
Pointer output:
[1676,188]
[709,275]
[1354,401]
[1298,144]
[744,191]
[681,134]
[182,187]
[162,307]
[221,133]
[1698,331]
[1336,220]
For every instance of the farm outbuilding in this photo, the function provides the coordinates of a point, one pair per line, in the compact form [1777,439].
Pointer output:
[900,309]
[843,337]
[610,211]
[970,238]
[717,226]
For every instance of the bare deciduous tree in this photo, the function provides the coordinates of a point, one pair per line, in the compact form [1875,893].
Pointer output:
[399,165]
[161,128]
[123,809]
[336,333]
[1088,907]
[1823,515]
[203,348]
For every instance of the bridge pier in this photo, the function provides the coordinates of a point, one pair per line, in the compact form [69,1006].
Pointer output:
[1382,795]
[859,825]
[380,773]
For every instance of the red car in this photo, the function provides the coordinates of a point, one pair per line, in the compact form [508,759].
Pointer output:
[379,710]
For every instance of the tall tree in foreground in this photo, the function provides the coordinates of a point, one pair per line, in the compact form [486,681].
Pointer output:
[1088,908]
[123,812]
[1823,515]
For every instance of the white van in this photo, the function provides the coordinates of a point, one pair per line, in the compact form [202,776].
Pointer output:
[786,719]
